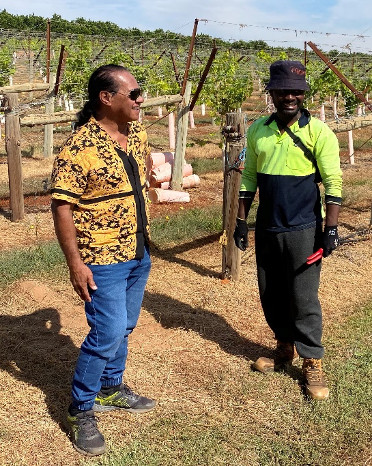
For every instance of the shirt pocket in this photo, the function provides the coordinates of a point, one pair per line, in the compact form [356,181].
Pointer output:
[297,162]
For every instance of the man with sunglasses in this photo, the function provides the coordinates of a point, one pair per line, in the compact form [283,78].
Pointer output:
[284,153]
[101,222]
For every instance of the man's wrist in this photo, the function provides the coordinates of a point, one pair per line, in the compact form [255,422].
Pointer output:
[74,262]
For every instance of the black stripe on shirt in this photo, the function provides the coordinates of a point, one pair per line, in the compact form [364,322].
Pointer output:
[95,200]
[65,193]
[131,168]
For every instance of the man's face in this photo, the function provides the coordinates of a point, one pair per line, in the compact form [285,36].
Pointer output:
[124,103]
[288,102]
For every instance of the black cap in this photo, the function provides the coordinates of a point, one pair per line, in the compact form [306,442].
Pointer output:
[287,74]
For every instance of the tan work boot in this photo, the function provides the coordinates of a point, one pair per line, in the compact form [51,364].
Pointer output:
[315,384]
[285,354]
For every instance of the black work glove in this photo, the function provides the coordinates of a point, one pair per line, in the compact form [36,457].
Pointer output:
[241,234]
[330,240]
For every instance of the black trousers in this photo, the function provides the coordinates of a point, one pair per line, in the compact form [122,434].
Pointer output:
[289,287]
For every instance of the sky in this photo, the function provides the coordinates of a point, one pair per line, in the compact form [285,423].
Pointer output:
[330,24]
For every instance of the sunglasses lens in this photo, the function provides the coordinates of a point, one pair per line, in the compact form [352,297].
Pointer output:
[134,94]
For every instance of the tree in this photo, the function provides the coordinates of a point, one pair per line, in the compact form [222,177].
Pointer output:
[6,66]
[227,86]
[78,69]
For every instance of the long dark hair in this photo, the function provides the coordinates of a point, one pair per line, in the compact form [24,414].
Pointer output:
[102,79]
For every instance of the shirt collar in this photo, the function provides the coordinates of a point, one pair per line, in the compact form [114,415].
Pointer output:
[103,134]
[302,121]
[94,122]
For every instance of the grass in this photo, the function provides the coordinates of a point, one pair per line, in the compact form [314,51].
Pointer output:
[280,427]
[165,231]
[201,166]
[359,182]
[186,225]
[361,142]
[356,192]
[35,186]
[251,420]
[32,262]
[287,431]
[191,224]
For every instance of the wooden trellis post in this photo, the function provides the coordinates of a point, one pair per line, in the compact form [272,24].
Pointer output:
[13,150]
[181,135]
[235,135]
[48,128]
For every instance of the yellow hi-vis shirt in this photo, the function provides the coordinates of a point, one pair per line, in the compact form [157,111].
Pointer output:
[289,199]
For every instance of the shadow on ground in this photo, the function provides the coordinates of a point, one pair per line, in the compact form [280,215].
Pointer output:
[171,313]
[33,351]
[170,254]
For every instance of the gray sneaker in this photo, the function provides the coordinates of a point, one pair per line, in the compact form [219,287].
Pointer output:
[85,436]
[125,399]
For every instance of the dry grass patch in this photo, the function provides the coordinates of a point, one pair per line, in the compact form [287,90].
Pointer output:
[192,351]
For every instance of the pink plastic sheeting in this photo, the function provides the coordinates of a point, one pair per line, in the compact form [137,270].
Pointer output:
[158,158]
[157,195]
[190,181]
[164,173]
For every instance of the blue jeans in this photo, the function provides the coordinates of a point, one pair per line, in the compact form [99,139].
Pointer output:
[112,315]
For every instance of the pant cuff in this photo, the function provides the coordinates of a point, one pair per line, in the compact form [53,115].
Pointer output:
[309,352]
[107,383]
[83,406]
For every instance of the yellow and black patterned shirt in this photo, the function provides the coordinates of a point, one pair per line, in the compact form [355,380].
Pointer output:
[107,186]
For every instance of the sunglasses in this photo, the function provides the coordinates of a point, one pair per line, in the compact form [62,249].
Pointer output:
[284,92]
[133,93]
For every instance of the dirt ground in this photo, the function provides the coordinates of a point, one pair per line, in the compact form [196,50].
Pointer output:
[194,328]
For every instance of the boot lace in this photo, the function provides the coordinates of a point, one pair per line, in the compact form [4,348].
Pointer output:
[313,371]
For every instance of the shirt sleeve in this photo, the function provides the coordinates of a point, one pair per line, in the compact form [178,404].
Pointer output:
[249,174]
[327,154]
[69,176]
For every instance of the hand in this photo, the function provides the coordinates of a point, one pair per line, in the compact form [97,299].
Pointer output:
[330,240]
[241,234]
[82,280]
